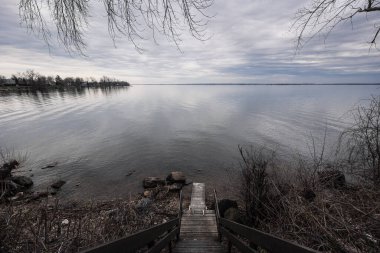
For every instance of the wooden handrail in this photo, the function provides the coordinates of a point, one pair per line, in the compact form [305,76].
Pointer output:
[217,216]
[232,231]
[165,232]
[136,241]
[180,211]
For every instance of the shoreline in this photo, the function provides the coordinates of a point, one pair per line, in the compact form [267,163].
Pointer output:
[80,224]
[55,88]
[77,225]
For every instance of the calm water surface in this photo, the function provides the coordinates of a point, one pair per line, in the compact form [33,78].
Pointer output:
[98,136]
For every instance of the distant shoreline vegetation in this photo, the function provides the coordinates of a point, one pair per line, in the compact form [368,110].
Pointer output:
[33,80]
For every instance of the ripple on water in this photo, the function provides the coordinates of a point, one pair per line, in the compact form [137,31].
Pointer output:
[96,136]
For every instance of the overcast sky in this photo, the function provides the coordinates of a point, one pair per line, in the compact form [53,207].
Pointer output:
[250,42]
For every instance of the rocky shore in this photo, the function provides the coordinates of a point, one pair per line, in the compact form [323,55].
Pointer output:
[15,188]
[40,222]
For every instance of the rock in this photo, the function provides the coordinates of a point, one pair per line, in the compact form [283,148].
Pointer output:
[24,182]
[52,165]
[18,196]
[5,170]
[12,186]
[144,203]
[147,194]
[308,194]
[226,204]
[152,182]
[43,194]
[14,164]
[175,187]
[129,173]
[37,195]
[332,178]
[233,214]
[57,185]
[176,177]
[188,182]
[9,188]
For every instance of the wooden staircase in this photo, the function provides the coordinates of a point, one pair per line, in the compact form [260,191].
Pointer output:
[196,231]
[199,231]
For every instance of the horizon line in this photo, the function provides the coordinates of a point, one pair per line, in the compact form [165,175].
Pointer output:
[256,84]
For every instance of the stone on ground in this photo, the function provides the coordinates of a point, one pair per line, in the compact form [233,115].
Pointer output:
[226,204]
[23,181]
[57,185]
[152,182]
[176,177]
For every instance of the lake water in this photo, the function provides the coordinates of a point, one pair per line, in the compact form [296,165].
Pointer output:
[98,136]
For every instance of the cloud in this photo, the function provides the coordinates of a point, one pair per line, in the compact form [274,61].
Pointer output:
[250,42]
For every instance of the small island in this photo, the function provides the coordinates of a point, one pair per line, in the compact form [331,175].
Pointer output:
[31,80]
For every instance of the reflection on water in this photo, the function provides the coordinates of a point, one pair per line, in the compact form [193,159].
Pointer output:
[98,135]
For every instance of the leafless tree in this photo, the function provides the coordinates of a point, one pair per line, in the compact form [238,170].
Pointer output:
[325,15]
[2,79]
[125,17]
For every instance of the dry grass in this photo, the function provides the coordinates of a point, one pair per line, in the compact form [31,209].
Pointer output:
[341,219]
[344,220]
[49,226]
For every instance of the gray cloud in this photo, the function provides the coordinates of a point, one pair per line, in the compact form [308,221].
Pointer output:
[250,43]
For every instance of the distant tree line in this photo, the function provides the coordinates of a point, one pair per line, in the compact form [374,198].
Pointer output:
[32,79]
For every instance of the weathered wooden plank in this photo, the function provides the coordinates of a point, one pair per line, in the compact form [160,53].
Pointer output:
[197,250]
[206,212]
[186,243]
[200,230]
[198,235]
[198,199]
[200,226]
[210,220]
[199,212]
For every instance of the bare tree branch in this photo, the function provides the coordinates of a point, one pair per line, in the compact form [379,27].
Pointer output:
[325,15]
[125,17]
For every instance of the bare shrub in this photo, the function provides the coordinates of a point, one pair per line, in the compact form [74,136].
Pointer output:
[294,200]
[254,183]
[308,168]
[9,161]
[334,220]
[361,143]
[8,155]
